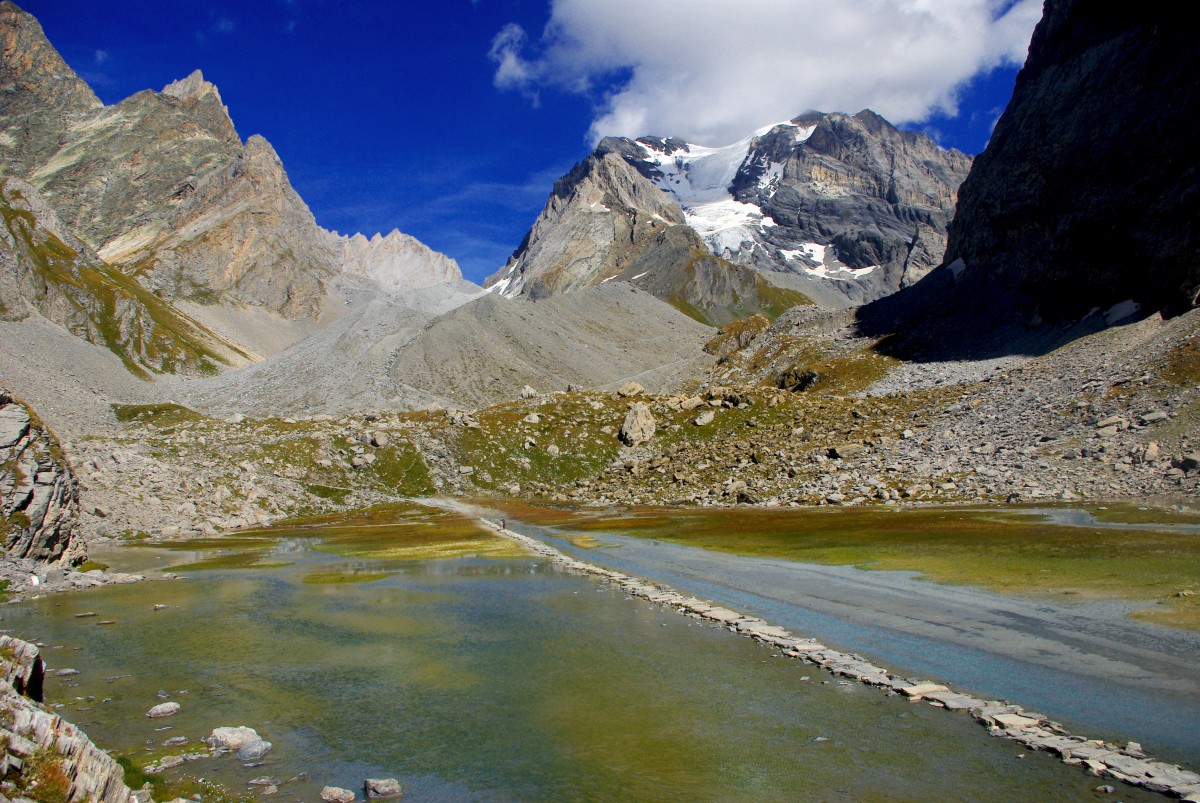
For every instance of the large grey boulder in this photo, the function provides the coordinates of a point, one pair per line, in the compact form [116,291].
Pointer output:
[639,425]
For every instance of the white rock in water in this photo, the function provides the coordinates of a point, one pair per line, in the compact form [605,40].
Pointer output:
[229,738]
[336,794]
[163,710]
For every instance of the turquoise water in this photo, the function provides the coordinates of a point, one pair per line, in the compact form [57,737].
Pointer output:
[474,679]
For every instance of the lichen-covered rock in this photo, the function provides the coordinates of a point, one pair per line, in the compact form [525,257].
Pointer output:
[39,497]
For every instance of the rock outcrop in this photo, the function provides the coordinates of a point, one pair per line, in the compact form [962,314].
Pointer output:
[396,262]
[1087,193]
[39,498]
[842,208]
[44,756]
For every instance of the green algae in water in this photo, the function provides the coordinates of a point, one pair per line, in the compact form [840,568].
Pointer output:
[499,680]
[334,578]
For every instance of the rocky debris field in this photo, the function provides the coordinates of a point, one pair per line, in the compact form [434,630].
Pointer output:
[1109,416]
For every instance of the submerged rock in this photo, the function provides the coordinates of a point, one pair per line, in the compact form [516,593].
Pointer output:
[382,788]
[254,750]
[336,794]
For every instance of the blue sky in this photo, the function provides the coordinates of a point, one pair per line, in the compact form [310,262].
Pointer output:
[451,119]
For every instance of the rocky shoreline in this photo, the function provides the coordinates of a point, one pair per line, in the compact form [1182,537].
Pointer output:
[1128,763]
[45,757]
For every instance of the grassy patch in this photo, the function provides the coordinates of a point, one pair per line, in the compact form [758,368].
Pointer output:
[988,548]
[1183,363]
[159,414]
[91,565]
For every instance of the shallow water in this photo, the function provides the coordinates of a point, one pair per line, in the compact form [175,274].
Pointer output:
[474,679]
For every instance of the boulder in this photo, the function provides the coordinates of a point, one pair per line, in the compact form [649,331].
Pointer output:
[630,388]
[532,418]
[232,738]
[639,425]
[163,710]
[382,788]
[254,750]
[336,794]
[380,439]
[844,451]
[528,393]
[704,418]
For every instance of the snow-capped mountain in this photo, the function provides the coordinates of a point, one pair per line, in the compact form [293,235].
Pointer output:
[844,208]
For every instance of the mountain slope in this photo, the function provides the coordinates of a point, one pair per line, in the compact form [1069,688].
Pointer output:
[395,262]
[162,186]
[44,269]
[1087,193]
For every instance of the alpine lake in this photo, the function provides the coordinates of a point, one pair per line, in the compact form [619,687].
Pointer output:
[411,643]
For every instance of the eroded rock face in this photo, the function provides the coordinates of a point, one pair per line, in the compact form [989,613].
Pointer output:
[397,261]
[39,498]
[45,269]
[1087,193]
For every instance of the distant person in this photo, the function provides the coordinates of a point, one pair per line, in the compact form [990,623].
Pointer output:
[503,524]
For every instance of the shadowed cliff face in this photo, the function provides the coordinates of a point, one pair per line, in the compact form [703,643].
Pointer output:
[1089,190]
[1088,194]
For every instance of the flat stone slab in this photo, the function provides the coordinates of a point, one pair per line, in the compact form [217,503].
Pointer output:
[919,690]
[1017,721]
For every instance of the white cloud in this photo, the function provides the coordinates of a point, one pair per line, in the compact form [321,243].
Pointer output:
[101,57]
[713,70]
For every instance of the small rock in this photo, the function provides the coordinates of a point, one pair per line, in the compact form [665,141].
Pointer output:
[163,710]
[382,788]
[630,388]
[66,673]
[336,794]
[380,439]
[532,418]
[704,419]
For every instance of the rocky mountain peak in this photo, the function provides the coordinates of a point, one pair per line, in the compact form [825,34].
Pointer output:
[843,208]
[395,261]
[193,87]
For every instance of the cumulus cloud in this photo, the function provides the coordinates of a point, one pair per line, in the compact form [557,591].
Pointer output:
[713,70]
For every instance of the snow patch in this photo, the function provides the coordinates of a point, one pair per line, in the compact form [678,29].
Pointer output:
[1121,311]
